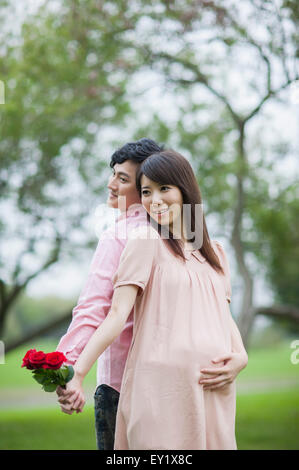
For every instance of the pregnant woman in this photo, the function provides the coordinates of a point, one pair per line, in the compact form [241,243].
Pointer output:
[180,290]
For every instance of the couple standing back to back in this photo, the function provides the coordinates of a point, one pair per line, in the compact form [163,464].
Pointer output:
[170,382]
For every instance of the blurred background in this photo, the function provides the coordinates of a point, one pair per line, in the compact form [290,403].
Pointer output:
[215,80]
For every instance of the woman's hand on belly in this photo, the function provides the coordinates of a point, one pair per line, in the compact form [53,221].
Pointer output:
[217,378]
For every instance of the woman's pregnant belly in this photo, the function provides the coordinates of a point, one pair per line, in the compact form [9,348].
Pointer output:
[164,347]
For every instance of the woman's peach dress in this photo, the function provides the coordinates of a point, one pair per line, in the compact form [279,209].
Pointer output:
[181,323]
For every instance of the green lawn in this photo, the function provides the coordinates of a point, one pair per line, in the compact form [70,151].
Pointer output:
[271,362]
[268,421]
[47,429]
[264,420]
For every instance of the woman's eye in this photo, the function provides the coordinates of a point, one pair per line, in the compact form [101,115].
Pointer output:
[164,187]
[144,193]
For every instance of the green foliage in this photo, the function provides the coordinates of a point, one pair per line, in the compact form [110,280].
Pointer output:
[276,226]
[56,84]
[63,81]
[50,379]
[70,75]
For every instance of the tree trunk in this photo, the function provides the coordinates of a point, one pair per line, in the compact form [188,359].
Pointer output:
[36,333]
[246,317]
[282,312]
[8,298]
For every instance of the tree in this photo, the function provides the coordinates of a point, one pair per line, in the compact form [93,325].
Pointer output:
[220,66]
[276,243]
[63,80]
[223,67]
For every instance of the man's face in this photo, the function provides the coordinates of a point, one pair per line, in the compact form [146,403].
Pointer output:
[122,182]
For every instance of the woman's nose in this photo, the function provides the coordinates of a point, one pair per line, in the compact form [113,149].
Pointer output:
[157,199]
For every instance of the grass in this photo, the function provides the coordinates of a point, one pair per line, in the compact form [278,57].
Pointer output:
[263,421]
[268,421]
[47,429]
[269,363]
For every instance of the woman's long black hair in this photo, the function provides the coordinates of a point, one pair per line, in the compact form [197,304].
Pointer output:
[170,167]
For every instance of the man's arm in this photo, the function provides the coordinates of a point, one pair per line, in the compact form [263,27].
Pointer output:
[95,299]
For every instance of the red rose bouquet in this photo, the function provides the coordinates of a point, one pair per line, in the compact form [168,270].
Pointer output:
[47,368]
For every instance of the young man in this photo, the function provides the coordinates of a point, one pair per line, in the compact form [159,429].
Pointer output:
[95,302]
[95,299]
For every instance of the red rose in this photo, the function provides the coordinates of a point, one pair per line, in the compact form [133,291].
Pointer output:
[54,360]
[26,362]
[37,359]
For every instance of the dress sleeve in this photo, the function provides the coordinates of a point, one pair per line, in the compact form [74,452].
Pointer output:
[225,266]
[136,261]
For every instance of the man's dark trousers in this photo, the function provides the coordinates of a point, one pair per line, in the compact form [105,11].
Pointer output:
[105,404]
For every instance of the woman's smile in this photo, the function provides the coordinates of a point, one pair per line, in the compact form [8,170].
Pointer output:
[163,202]
[160,212]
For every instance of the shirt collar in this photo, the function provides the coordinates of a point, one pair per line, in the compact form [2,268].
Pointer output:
[135,210]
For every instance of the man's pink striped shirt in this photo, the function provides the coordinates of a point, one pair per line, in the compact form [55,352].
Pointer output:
[95,301]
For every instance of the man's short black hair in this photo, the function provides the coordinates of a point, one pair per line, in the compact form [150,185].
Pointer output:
[136,151]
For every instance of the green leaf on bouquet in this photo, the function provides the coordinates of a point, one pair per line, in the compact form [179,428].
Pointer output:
[40,376]
[50,387]
[70,373]
[51,378]
[60,379]
[40,379]
[64,372]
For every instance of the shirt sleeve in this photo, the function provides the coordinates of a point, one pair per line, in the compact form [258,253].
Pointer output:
[95,298]
[225,266]
[137,260]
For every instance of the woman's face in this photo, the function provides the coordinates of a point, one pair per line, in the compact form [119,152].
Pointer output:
[163,202]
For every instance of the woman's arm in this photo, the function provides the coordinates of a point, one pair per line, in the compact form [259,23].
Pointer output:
[122,303]
[235,361]
[236,340]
